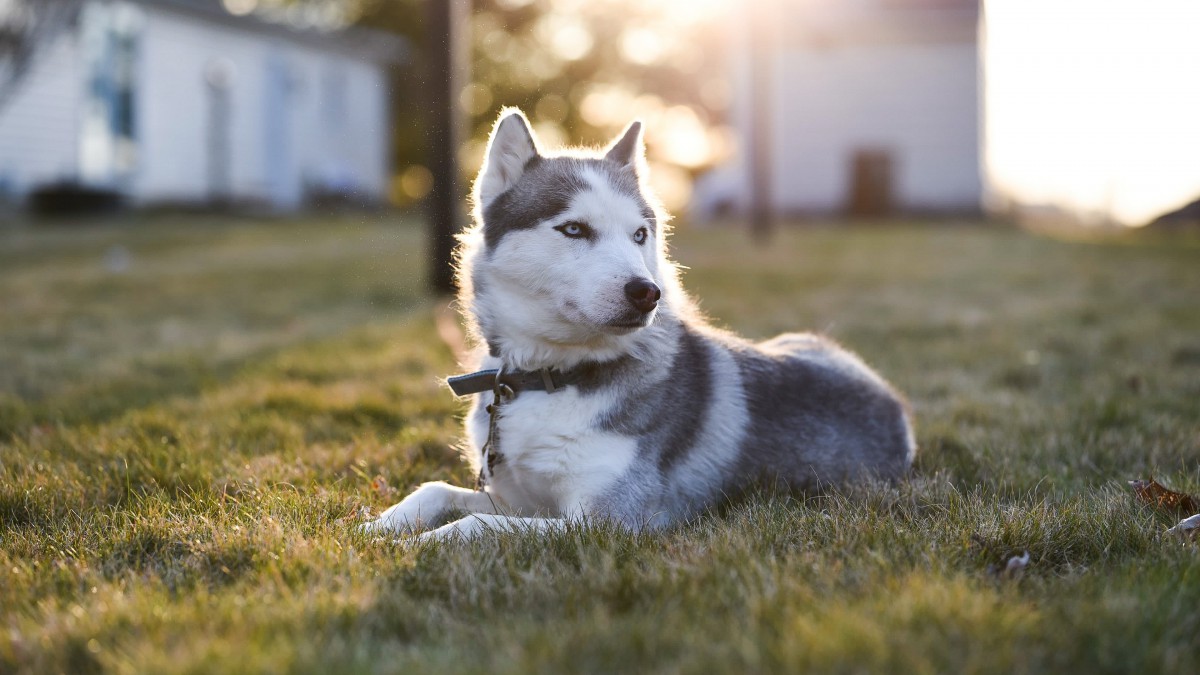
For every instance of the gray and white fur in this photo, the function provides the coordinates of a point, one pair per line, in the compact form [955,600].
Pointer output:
[566,267]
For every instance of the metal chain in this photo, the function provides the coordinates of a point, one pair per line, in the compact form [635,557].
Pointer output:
[501,394]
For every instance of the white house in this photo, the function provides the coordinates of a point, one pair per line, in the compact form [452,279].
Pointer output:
[871,106]
[181,101]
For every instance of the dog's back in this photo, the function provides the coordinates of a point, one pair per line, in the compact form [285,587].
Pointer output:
[819,415]
[714,415]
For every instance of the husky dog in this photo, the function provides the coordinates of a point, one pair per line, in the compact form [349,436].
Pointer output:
[606,396]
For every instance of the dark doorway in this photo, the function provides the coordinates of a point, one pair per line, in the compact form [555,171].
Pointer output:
[871,183]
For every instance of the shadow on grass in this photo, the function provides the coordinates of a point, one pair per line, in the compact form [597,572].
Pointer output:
[94,403]
[99,402]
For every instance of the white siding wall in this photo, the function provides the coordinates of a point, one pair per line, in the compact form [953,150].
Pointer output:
[273,148]
[917,100]
[366,143]
[39,126]
[172,109]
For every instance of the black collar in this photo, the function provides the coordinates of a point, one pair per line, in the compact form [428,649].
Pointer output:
[544,379]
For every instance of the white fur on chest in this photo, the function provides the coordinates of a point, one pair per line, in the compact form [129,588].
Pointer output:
[553,459]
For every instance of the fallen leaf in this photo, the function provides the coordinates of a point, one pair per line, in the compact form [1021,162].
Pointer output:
[380,487]
[357,513]
[1188,527]
[1153,493]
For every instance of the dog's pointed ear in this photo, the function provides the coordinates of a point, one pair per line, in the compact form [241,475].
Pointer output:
[509,150]
[628,149]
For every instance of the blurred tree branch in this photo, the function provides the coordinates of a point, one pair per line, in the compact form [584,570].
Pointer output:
[560,61]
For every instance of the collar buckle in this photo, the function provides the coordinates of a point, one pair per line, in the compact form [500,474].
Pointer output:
[548,380]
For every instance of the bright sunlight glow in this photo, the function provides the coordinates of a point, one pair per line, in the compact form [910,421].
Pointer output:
[1094,106]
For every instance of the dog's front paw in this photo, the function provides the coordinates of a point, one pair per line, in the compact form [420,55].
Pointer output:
[403,518]
[463,529]
[425,507]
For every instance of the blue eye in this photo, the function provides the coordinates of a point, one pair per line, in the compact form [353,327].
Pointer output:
[575,230]
[640,236]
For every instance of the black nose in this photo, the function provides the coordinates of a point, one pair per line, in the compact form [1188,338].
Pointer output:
[643,294]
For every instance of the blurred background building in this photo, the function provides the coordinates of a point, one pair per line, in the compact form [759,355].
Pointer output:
[872,108]
[1056,109]
[186,102]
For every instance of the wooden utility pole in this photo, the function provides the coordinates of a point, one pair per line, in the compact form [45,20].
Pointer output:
[447,22]
[762,51]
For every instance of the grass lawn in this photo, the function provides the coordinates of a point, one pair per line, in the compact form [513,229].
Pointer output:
[194,414]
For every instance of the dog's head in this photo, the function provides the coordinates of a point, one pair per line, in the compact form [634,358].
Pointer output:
[567,250]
